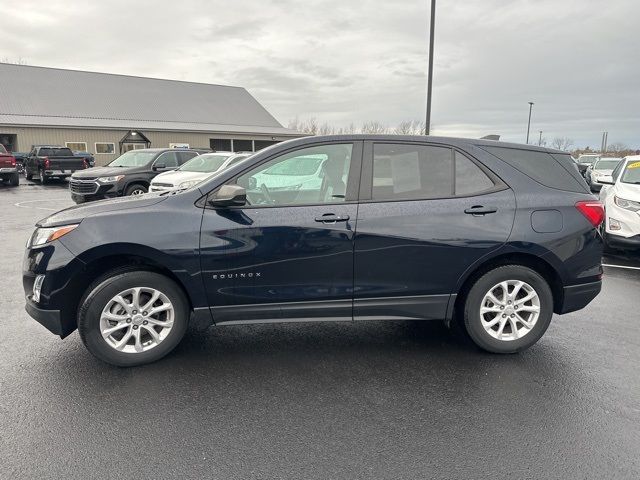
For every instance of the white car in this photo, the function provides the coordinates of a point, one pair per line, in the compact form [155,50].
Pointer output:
[195,170]
[600,169]
[620,196]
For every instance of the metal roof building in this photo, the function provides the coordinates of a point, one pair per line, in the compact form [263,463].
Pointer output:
[106,114]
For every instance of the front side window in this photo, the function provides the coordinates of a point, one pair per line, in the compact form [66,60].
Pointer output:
[409,172]
[168,159]
[311,175]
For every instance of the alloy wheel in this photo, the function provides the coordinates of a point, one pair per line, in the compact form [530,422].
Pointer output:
[510,310]
[137,320]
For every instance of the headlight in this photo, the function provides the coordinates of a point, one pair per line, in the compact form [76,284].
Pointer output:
[113,179]
[189,184]
[46,235]
[627,204]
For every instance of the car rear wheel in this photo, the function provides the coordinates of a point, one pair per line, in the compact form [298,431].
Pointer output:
[508,309]
[27,175]
[135,190]
[43,178]
[133,317]
[14,181]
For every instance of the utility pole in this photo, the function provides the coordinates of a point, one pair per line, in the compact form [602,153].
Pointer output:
[603,145]
[427,128]
[540,139]
[529,124]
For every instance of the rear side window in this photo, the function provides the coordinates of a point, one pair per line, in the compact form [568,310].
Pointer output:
[185,156]
[408,172]
[541,167]
[470,179]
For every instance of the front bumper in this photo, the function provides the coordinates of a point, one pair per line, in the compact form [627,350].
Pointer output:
[576,297]
[623,242]
[50,319]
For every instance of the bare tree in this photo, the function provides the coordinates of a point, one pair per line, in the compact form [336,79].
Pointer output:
[326,129]
[374,127]
[562,143]
[19,61]
[617,148]
[410,127]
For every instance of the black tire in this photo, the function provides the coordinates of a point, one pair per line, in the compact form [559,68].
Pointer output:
[106,288]
[27,175]
[43,179]
[473,301]
[14,181]
[134,188]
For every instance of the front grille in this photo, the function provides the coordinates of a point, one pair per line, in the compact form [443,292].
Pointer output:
[83,187]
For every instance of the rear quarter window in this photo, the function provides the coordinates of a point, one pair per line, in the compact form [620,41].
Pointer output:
[550,170]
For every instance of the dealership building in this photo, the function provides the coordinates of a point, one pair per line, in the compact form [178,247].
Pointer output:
[107,114]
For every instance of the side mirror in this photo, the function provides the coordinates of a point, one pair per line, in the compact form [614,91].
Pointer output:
[229,196]
[160,166]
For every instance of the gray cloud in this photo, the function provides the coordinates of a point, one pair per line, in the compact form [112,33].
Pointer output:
[349,62]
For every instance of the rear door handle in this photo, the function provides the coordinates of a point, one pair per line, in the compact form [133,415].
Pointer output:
[332,218]
[480,210]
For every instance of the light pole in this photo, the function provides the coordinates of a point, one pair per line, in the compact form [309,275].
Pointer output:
[427,127]
[529,124]
[540,139]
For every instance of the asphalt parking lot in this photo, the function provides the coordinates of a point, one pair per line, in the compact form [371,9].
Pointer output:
[364,400]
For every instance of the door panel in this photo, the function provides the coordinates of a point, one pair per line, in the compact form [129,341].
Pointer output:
[420,249]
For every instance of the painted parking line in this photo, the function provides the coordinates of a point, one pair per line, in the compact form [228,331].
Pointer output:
[22,205]
[620,266]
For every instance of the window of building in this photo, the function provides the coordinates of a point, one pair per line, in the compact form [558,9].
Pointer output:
[242,145]
[220,144]
[311,175]
[77,146]
[106,148]
[407,172]
[260,144]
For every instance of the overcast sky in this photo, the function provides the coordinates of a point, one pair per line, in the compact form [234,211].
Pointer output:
[353,61]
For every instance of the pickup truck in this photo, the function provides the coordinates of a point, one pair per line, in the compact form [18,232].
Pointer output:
[51,161]
[8,170]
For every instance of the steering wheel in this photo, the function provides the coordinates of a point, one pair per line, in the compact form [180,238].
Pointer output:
[266,193]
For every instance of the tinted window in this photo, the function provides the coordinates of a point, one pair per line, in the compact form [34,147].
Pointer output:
[470,178]
[185,156]
[541,167]
[308,176]
[170,159]
[55,152]
[242,145]
[406,172]
[220,144]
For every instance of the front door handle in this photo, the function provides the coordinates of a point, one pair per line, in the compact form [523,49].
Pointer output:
[332,218]
[480,210]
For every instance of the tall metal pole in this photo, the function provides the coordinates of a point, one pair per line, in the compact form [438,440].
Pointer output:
[540,139]
[529,124]
[427,128]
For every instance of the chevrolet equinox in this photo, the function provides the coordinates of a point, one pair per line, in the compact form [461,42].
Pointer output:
[494,236]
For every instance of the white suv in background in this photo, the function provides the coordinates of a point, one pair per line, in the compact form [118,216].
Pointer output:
[621,198]
[196,170]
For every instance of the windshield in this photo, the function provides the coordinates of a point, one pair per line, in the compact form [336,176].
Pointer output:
[296,166]
[207,163]
[589,160]
[606,164]
[631,173]
[2,149]
[133,158]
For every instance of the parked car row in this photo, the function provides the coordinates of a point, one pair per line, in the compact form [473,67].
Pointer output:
[151,169]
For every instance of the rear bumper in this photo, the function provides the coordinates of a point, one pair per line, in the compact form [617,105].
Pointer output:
[576,297]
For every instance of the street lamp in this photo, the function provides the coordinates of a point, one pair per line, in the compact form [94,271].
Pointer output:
[427,127]
[529,124]
[540,139]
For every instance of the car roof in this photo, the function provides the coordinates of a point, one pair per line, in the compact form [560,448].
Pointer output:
[455,141]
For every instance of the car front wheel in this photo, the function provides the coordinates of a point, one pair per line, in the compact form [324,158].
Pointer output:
[135,190]
[132,317]
[508,309]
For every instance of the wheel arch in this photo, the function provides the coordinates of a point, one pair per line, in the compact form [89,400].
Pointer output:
[534,262]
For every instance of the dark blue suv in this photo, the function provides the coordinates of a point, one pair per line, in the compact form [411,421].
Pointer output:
[495,236]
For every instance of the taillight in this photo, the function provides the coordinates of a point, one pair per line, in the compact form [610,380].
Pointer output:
[13,161]
[593,211]
[47,163]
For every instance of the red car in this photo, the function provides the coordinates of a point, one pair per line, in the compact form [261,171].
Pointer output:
[8,169]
